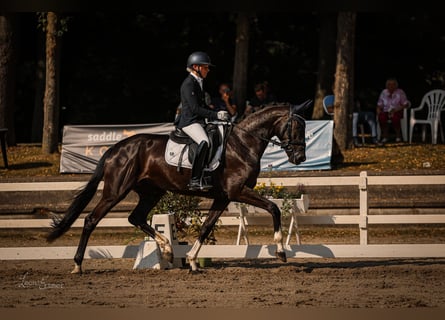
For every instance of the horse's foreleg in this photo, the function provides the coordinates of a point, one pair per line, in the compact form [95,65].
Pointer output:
[215,212]
[278,238]
[249,196]
[193,254]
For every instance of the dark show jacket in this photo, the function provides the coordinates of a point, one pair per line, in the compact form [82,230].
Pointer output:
[194,108]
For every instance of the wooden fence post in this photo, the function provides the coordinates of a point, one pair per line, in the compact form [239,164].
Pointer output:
[363,224]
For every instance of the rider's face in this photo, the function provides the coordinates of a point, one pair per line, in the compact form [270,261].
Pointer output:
[204,70]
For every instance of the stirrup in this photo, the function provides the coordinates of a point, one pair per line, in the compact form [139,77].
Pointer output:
[194,184]
[205,186]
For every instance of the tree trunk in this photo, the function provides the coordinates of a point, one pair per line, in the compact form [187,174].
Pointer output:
[37,115]
[326,62]
[344,79]
[7,76]
[51,109]
[241,60]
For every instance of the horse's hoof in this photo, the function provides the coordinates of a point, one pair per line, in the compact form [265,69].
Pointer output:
[77,270]
[197,271]
[168,256]
[281,255]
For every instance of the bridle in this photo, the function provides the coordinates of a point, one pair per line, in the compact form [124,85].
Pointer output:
[287,144]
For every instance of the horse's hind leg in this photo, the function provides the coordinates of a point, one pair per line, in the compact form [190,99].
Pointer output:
[91,221]
[138,218]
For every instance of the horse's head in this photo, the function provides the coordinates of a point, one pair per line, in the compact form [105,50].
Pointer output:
[293,136]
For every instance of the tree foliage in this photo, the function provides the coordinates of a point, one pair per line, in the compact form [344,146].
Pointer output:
[135,61]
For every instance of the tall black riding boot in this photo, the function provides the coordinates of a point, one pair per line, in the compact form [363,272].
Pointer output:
[199,161]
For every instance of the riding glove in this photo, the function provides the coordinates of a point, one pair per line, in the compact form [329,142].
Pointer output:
[223,115]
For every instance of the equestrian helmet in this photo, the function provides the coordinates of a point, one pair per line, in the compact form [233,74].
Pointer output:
[198,58]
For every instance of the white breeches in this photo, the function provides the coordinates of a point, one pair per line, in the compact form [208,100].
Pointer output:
[197,133]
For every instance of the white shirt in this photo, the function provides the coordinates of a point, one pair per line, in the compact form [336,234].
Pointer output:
[200,80]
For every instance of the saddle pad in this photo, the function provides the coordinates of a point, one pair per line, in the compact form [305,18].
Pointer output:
[174,150]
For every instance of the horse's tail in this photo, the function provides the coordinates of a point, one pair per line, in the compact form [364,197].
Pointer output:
[60,226]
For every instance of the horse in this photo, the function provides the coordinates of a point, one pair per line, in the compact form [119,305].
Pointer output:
[137,163]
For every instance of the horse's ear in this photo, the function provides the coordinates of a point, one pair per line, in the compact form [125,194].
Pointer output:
[300,108]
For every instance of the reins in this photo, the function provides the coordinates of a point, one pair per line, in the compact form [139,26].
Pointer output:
[283,144]
[273,141]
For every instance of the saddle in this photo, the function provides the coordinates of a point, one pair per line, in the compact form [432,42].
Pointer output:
[179,137]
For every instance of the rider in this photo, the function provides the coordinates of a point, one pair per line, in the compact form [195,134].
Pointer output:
[193,114]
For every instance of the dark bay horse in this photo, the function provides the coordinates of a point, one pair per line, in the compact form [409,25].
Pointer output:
[137,163]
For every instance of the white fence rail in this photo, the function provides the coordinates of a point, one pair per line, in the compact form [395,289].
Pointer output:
[362,219]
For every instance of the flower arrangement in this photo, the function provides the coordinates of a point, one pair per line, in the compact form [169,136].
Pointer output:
[278,191]
[274,191]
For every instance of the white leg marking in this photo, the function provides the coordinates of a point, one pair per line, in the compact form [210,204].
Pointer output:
[77,269]
[192,255]
[164,245]
[278,238]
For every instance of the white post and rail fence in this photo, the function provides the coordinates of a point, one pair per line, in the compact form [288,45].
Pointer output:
[238,251]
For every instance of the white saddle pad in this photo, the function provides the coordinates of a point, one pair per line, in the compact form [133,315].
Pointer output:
[174,150]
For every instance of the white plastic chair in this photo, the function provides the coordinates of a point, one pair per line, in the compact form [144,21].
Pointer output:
[435,101]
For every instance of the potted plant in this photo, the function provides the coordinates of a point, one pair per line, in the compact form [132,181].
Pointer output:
[184,207]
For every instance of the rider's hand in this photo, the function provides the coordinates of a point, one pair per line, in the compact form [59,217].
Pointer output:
[223,115]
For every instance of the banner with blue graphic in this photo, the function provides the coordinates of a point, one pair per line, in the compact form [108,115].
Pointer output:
[319,135]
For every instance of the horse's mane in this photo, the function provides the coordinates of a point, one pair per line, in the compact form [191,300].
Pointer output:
[260,114]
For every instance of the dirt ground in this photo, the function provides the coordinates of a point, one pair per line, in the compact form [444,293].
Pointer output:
[244,284]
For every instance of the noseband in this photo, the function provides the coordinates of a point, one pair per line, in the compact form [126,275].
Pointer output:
[287,144]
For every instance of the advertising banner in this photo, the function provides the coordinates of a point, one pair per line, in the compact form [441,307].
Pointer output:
[83,145]
[319,135]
